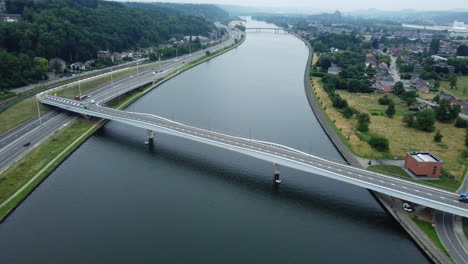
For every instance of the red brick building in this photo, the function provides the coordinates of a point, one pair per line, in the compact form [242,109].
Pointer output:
[423,164]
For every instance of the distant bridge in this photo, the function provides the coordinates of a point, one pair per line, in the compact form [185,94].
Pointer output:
[258,29]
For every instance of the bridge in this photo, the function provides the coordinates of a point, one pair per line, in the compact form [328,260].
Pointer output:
[258,29]
[278,155]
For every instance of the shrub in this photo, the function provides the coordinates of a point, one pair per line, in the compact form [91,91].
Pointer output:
[348,112]
[379,143]
[461,123]
[438,137]
[385,100]
[363,122]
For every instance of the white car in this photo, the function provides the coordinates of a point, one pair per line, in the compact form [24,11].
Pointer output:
[407,207]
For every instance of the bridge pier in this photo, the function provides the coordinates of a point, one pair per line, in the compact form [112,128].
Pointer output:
[151,134]
[277,174]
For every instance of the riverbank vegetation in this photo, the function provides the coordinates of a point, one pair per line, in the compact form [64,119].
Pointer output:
[401,138]
[74,30]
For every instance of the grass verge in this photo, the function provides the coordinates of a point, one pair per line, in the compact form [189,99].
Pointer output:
[431,233]
[35,161]
[41,157]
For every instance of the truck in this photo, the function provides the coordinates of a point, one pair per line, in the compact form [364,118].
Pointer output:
[463,198]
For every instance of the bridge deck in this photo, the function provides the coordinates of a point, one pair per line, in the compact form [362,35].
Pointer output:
[271,152]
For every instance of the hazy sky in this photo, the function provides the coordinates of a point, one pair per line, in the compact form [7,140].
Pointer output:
[337,4]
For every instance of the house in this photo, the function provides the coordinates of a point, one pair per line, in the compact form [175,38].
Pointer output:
[371,60]
[422,86]
[9,18]
[425,106]
[127,54]
[423,165]
[77,66]
[90,63]
[333,50]
[116,57]
[334,69]
[438,58]
[57,65]
[103,54]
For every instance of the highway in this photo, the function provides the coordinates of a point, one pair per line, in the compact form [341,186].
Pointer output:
[12,143]
[450,231]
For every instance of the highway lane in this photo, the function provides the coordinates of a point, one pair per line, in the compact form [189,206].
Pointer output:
[16,149]
[11,144]
[397,187]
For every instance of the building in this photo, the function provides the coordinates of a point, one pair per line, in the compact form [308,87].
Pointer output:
[423,165]
[334,69]
[103,54]
[57,65]
[9,18]
[77,66]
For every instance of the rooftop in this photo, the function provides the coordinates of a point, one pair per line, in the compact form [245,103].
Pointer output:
[425,157]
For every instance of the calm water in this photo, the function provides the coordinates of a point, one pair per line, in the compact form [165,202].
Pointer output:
[116,200]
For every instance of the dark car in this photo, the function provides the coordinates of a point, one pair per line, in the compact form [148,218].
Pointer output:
[26,144]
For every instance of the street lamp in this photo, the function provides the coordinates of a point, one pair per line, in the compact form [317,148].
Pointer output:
[38,112]
[79,84]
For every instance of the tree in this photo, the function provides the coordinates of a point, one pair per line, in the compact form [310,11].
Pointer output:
[425,120]
[461,123]
[434,46]
[437,84]
[466,138]
[398,88]
[390,110]
[438,137]
[208,53]
[436,99]
[380,143]
[348,112]
[462,50]
[446,112]
[363,122]
[385,100]
[453,81]
[409,120]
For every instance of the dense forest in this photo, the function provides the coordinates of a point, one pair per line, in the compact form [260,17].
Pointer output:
[75,30]
[207,11]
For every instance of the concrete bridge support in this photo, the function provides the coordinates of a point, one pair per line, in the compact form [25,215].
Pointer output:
[151,134]
[277,174]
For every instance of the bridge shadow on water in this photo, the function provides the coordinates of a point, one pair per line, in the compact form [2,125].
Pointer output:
[234,170]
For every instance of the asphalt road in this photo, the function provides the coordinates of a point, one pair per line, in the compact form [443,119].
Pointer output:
[12,144]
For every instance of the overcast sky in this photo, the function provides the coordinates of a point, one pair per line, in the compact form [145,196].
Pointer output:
[337,4]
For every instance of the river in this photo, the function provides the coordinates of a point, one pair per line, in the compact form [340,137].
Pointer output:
[116,200]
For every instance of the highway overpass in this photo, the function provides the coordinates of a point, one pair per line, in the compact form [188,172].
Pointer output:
[271,152]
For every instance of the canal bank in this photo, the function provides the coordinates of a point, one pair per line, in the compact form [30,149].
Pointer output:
[8,206]
[391,205]
[178,201]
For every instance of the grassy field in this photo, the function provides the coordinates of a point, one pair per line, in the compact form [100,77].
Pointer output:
[26,110]
[431,233]
[462,88]
[402,139]
[19,113]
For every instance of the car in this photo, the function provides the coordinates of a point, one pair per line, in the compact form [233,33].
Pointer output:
[92,101]
[407,207]
[26,144]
